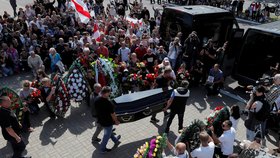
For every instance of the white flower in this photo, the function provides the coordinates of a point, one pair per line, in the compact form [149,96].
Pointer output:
[76,75]
[60,103]
[79,85]
[75,95]
[79,80]
[73,80]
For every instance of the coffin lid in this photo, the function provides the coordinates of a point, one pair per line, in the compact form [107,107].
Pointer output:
[138,95]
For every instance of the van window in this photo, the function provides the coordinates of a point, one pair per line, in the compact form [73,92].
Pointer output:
[176,21]
[218,30]
[260,51]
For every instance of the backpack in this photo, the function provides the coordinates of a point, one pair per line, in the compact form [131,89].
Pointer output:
[264,112]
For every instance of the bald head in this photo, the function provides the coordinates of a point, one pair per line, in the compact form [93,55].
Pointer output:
[180,148]
[5,101]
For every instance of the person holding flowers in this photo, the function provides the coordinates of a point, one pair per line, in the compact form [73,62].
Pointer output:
[47,94]
[31,106]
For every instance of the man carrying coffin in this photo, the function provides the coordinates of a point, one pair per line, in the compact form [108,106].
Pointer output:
[177,104]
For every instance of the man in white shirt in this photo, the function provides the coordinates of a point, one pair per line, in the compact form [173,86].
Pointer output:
[226,140]
[206,150]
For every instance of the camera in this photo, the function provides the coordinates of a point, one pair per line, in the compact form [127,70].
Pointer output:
[265,81]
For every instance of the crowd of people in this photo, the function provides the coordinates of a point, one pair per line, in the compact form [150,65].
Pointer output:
[47,38]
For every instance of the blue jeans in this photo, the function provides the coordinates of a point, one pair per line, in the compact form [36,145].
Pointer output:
[107,135]
[172,63]
[6,71]
[250,135]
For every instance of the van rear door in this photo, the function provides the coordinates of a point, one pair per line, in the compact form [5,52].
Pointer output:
[174,21]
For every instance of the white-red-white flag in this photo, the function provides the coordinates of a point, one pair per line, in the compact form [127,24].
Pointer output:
[82,10]
[96,33]
[133,21]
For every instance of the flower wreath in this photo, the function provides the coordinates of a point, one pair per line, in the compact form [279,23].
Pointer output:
[216,118]
[62,99]
[77,84]
[190,134]
[107,68]
[16,102]
[153,149]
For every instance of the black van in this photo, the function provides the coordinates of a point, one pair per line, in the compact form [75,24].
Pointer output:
[208,21]
[259,51]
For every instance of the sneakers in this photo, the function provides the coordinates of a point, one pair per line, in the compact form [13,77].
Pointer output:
[106,151]
[96,140]
[154,120]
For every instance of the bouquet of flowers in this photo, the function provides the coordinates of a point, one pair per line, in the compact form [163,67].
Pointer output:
[153,149]
[190,134]
[35,84]
[77,83]
[142,152]
[134,79]
[16,102]
[35,95]
[151,77]
[216,118]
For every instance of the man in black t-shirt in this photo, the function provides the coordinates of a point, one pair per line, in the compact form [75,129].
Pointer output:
[163,82]
[106,117]
[11,127]
[150,59]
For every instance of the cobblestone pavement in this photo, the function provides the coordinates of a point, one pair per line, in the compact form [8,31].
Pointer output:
[70,137]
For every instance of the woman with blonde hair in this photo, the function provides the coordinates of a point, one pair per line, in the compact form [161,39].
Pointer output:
[30,106]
